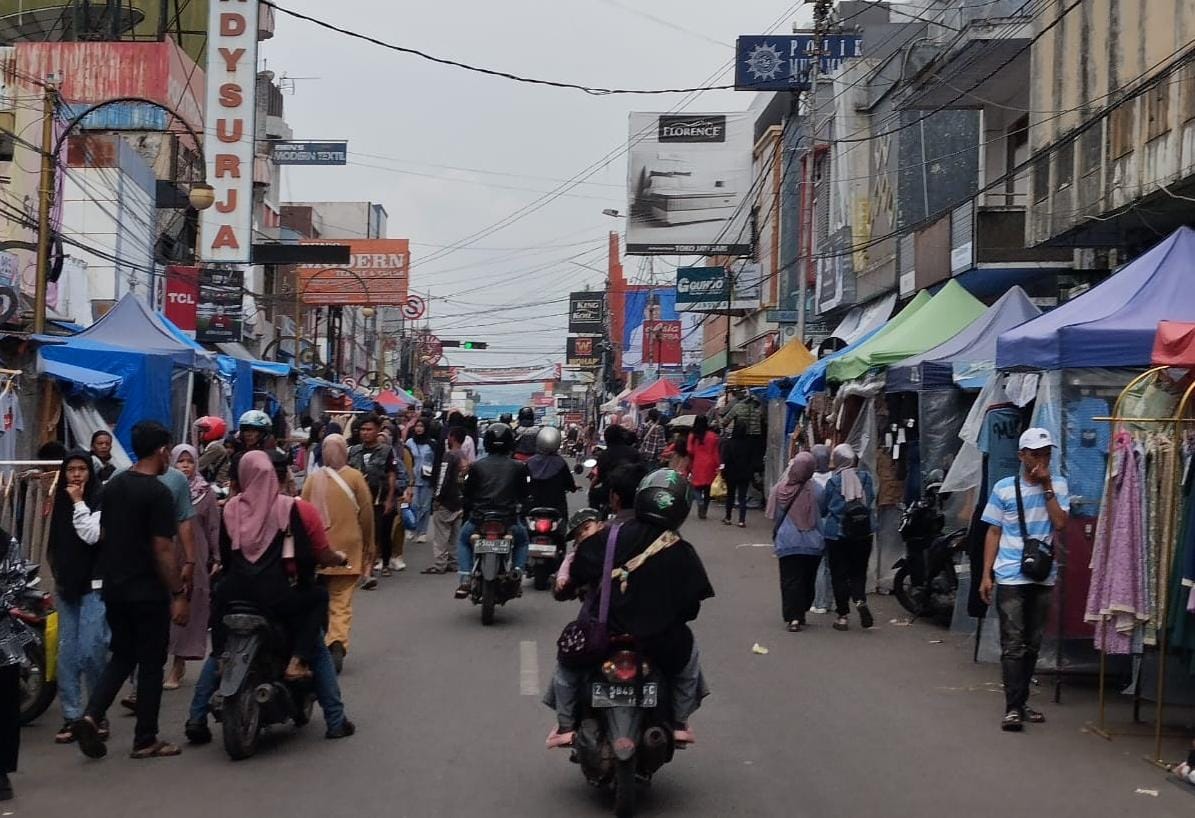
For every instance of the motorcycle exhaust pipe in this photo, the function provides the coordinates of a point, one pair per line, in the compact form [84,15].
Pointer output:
[655,738]
[264,693]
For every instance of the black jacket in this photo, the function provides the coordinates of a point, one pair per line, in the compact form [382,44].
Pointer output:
[74,563]
[496,483]
[551,482]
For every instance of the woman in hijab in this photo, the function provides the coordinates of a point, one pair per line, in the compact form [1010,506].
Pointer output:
[260,568]
[189,643]
[341,495]
[793,507]
[423,460]
[849,519]
[82,627]
[823,596]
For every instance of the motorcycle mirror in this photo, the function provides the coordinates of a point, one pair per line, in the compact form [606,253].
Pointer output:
[589,463]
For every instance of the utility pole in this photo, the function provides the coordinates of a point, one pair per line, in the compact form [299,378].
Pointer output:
[821,14]
[45,199]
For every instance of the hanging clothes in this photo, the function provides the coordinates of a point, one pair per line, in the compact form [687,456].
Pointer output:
[1117,600]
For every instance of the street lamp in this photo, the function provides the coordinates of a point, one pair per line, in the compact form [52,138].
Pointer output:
[612,213]
[201,196]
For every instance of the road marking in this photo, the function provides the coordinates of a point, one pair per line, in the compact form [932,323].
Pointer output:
[528,668]
[753,545]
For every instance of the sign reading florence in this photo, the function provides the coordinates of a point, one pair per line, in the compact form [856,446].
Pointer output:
[226,229]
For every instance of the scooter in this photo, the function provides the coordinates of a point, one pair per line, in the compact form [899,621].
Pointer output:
[494,579]
[926,582]
[28,615]
[546,551]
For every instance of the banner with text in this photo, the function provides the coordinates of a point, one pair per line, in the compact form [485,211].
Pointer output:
[290,152]
[377,274]
[219,314]
[182,296]
[501,375]
[784,62]
[661,343]
[586,313]
[582,353]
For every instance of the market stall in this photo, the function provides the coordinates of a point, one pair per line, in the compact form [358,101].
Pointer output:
[790,360]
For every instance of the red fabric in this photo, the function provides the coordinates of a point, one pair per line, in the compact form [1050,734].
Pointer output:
[656,392]
[1174,344]
[704,459]
[314,524]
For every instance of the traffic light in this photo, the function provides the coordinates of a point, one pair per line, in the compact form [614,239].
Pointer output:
[473,345]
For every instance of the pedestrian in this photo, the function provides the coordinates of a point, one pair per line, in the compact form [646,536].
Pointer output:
[340,494]
[12,656]
[377,462]
[74,559]
[848,512]
[653,439]
[446,516]
[676,453]
[823,596]
[704,460]
[1025,513]
[189,643]
[738,467]
[144,592]
[793,507]
[747,412]
[101,453]
[423,467]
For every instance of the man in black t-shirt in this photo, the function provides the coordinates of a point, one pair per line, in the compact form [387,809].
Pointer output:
[143,592]
[446,517]
[377,462]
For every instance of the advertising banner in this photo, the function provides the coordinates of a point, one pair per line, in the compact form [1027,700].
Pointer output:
[703,289]
[688,179]
[643,304]
[661,343]
[586,313]
[219,316]
[501,375]
[290,152]
[582,353]
[377,274]
[785,62]
[182,296]
[226,228]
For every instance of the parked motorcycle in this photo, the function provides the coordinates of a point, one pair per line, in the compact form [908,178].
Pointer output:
[926,582]
[546,552]
[29,614]
[624,733]
[253,692]
[494,579]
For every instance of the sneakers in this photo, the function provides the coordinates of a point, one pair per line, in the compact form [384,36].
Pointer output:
[841,624]
[462,591]
[865,617]
[819,610]
[398,564]
[369,583]
[1033,716]
[1012,722]
[197,732]
[421,538]
[343,730]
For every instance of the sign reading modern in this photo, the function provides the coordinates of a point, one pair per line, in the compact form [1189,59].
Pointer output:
[586,313]
[784,63]
[310,153]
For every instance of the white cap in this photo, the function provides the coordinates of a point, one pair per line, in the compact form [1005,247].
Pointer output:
[1036,439]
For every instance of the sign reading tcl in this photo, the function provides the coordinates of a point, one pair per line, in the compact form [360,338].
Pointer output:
[182,296]
[226,229]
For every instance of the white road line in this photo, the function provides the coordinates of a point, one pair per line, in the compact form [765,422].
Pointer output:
[528,668]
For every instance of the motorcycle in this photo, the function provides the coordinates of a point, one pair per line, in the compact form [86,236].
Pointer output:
[29,614]
[253,692]
[624,733]
[926,582]
[494,579]
[546,552]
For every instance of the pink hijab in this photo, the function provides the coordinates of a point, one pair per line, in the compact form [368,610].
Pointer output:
[256,515]
[794,491]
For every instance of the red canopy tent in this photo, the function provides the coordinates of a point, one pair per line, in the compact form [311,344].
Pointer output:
[654,393]
[393,401]
[1174,345]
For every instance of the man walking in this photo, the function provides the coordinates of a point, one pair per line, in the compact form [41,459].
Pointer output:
[1026,514]
[654,440]
[446,518]
[376,460]
[143,592]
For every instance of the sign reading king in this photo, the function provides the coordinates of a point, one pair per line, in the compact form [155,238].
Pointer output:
[226,228]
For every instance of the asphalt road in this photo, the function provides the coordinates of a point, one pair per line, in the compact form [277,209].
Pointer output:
[889,722]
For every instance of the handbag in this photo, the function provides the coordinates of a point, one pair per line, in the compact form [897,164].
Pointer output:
[585,640]
[1037,557]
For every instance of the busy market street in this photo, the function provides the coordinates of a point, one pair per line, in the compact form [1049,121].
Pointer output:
[895,721]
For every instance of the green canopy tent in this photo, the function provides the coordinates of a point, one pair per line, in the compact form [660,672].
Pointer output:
[921,326]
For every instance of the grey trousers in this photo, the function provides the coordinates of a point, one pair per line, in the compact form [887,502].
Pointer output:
[445,531]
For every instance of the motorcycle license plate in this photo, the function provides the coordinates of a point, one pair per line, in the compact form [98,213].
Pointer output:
[492,547]
[543,550]
[608,695]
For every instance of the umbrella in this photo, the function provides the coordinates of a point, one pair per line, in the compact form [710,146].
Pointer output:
[686,421]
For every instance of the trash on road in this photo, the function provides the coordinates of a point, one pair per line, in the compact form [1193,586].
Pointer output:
[1142,791]
[900,623]
[936,641]
[760,649]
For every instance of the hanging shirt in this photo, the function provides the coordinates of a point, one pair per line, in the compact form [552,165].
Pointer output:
[1086,453]
[999,438]
[12,423]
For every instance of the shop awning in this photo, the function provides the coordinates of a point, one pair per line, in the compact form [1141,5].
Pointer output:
[709,392]
[813,379]
[79,380]
[1114,324]
[655,392]
[132,325]
[943,316]
[271,368]
[1174,344]
[789,361]
[861,321]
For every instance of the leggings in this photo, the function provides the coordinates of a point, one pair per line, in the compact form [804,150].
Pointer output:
[739,488]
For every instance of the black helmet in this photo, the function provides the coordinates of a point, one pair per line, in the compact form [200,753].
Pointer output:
[663,498]
[526,416]
[506,418]
[582,517]
[498,439]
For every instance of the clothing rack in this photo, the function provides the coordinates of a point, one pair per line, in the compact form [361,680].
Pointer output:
[1174,425]
[26,486]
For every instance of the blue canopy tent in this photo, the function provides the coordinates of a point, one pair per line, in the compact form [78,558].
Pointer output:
[77,381]
[813,379]
[1114,324]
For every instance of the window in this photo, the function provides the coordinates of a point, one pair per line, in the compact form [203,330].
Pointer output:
[1041,177]
[1186,91]
[1064,167]
[1157,110]
[1120,130]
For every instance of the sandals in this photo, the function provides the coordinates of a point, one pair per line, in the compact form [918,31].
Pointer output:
[434,570]
[171,684]
[462,592]
[369,584]
[297,671]
[159,749]
[386,571]
[742,525]
[683,737]
[87,734]
[1033,716]
[1012,722]
[841,624]
[794,626]
[558,738]
[64,735]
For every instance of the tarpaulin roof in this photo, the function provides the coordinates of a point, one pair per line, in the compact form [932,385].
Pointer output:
[393,401]
[942,317]
[1174,344]
[133,325]
[655,392]
[975,345]
[709,392]
[272,368]
[863,320]
[920,300]
[813,379]
[1113,324]
[88,383]
[791,359]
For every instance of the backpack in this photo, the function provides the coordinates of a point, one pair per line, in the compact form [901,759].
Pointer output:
[856,521]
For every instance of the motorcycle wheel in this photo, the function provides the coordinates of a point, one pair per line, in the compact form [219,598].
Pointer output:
[624,789]
[902,589]
[37,694]
[487,602]
[242,724]
[541,576]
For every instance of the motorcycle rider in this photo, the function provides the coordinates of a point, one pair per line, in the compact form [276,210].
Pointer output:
[620,450]
[526,435]
[256,431]
[551,479]
[496,483]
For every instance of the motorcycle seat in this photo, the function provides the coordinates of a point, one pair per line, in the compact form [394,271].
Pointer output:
[550,513]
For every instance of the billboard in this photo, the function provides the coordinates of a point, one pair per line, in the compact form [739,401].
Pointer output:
[688,180]
[661,343]
[784,62]
[226,228]
[704,289]
[219,315]
[645,304]
[582,353]
[182,296]
[587,313]
[377,274]
[507,375]
[292,152]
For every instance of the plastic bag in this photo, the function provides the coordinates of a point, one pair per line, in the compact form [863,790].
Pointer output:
[718,488]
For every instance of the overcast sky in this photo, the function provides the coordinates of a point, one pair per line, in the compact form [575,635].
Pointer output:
[449,153]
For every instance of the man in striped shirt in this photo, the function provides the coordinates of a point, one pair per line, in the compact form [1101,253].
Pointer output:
[1022,604]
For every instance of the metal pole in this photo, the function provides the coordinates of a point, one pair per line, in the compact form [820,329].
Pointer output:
[298,318]
[729,296]
[45,199]
[821,12]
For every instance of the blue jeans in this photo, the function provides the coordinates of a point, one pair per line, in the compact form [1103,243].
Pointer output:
[464,548]
[327,689]
[83,638]
[421,503]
